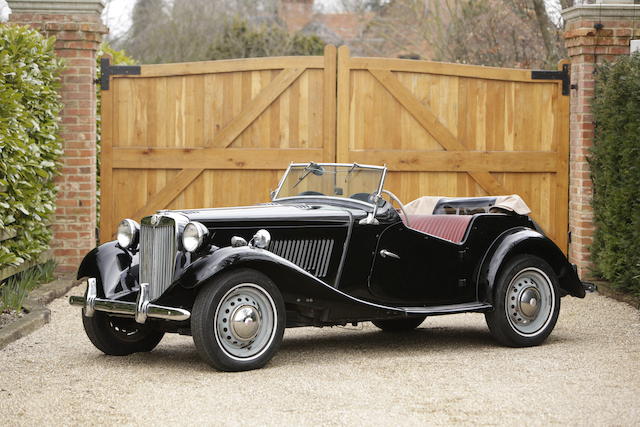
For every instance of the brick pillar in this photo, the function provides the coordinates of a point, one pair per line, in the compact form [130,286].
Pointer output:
[78,28]
[594,33]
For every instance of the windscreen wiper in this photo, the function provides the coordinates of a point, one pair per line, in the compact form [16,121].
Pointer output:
[301,178]
[355,165]
[312,167]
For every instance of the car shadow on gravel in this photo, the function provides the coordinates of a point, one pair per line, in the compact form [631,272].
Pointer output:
[423,341]
[390,342]
[326,345]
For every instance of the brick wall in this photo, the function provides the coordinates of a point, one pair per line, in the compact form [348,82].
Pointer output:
[588,46]
[78,38]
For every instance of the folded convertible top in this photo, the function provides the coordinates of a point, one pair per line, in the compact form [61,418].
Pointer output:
[429,205]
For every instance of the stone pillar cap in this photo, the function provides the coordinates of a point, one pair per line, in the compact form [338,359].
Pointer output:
[616,9]
[56,6]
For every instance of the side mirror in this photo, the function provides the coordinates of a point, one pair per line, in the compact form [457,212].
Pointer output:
[272,194]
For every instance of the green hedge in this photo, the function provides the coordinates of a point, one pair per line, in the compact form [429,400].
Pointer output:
[615,170]
[29,142]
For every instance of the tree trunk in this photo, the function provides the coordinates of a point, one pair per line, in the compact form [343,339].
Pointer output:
[543,23]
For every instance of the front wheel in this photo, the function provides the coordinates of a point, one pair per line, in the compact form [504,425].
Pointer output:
[238,321]
[527,302]
[117,336]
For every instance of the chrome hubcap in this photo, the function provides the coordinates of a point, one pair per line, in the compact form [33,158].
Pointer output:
[245,322]
[529,301]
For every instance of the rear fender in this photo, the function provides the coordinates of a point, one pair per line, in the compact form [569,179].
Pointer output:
[298,287]
[115,270]
[523,240]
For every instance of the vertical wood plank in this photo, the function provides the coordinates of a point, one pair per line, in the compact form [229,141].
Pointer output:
[343,101]
[107,223]
[562,176]
[329,100]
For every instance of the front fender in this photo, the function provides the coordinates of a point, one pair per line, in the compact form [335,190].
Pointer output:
[297,286]
[115,270]
[523,240]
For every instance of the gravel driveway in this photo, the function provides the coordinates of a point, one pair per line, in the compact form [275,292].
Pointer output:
[447,371]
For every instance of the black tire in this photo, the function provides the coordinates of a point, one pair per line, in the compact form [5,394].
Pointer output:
[117,336]
[399,325]
[218,338]
[526,303]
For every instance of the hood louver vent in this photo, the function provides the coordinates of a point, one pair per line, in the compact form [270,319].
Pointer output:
[310,255]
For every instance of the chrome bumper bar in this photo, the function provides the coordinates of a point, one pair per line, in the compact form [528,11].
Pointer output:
[139,310]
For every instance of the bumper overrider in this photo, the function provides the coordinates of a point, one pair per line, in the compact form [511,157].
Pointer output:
[139,310]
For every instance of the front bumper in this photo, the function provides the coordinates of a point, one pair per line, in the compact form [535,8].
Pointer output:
[139,310]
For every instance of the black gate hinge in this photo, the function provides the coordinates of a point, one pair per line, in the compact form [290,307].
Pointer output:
[107,70]
[563,75]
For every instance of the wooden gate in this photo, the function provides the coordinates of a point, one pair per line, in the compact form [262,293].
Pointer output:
[220,133]
[214,133]
[459,130]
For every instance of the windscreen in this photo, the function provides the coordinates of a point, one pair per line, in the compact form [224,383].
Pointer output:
[349,181]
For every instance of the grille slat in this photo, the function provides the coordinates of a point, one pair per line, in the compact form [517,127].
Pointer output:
[313,256]
[157,256]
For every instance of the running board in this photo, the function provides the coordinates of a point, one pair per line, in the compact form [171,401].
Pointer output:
[473,307]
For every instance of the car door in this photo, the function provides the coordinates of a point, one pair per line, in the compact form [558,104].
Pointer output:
[413,268]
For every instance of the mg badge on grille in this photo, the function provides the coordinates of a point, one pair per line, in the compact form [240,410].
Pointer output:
[155,220]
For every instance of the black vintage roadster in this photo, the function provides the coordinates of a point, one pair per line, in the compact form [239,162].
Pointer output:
[328,250]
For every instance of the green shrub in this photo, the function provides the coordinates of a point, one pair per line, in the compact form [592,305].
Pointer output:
[241,40]
[615,170]
[29,142]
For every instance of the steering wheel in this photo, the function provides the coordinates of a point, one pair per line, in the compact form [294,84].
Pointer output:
[311,193]
[395,198]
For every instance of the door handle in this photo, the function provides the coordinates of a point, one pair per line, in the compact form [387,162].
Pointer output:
[385,253]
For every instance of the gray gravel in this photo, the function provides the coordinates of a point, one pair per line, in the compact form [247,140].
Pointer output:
[448,371]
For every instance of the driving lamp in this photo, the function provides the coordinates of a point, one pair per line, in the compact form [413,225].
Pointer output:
[261,239]
[127,233]
[193,236]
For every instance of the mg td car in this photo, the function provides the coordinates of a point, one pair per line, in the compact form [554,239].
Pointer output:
[333,247]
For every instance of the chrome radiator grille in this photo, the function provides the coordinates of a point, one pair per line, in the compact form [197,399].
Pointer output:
[310,255]
[157,255]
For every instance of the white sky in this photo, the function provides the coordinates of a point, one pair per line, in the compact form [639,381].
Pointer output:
[117,16]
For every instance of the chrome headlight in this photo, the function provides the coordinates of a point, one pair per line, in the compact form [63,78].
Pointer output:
[261,239]
[127,235]
[193,236]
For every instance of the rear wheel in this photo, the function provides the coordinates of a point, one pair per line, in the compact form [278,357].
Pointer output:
[238,321]
[527,302]
[118,336]
[399,325]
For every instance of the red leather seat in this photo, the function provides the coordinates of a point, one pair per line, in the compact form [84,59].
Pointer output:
[448,227]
